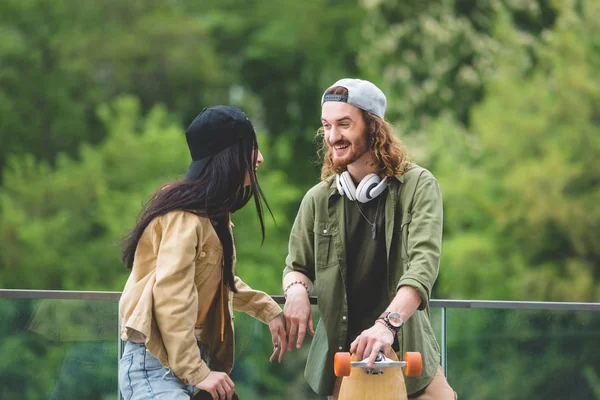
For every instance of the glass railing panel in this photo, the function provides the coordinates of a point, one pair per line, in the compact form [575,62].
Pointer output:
[255,377]
[58,349]
[436,323]
[496,354]
[68,349]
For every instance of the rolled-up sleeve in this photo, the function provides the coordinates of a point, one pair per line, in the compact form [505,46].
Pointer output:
[301,256]
[175,294]
[424,240]
[255,303]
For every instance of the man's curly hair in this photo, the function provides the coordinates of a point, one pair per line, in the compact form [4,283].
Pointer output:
[389,153]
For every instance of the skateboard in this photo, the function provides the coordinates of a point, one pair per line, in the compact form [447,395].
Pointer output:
[383,381]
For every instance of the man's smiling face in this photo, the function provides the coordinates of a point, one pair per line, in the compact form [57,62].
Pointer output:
[345,132]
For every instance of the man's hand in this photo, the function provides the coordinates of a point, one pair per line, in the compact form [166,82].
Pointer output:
[278,336]
[298,316]
[371,341]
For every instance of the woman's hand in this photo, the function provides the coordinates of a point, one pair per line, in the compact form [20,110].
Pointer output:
[219,385]
[278,337]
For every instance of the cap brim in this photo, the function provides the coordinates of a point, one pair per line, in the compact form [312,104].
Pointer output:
[196,168]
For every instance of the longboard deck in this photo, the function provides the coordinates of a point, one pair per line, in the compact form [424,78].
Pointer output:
[387,386]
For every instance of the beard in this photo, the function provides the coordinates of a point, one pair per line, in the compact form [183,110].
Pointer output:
[352,154]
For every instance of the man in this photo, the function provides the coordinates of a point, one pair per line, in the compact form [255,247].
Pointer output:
[369,237]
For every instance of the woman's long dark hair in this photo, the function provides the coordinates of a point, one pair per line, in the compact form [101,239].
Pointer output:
[217,192]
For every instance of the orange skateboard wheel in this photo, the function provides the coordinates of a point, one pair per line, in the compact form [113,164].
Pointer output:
[414,363]
[341,364]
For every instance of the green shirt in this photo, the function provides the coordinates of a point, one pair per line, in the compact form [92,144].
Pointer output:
[413,237]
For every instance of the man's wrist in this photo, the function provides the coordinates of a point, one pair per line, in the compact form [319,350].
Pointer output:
[294,287]
[382,322]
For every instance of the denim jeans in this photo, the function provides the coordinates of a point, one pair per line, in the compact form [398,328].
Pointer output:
[142,377]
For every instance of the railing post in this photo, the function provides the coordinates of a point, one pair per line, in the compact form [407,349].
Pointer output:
[444,349]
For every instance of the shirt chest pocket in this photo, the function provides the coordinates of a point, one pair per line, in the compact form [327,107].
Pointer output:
[208,258]
[324,247]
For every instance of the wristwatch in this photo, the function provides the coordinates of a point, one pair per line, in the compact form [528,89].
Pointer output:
[392,319]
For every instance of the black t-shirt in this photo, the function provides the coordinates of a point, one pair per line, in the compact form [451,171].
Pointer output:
[366,262]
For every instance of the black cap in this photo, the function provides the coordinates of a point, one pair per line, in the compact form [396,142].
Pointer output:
[213,130]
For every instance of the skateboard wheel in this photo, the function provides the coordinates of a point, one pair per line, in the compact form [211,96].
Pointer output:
[341,364]
[414,363]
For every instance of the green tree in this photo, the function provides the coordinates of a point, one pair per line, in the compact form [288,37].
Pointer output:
[520,193]
[433,58]
[540,130]
[532,155]
[61,59]
[60,228]
[283,54]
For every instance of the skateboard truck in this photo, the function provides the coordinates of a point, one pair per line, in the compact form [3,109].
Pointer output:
[412,364]
[381,362]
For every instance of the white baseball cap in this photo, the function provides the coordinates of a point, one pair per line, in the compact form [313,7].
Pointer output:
[362,94]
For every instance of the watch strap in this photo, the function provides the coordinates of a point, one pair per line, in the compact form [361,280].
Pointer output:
[385,314]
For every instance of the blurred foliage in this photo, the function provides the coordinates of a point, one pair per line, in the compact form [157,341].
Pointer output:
[522,354]
[61,230]
[498,98]
[39,364]
[521,182]
[61,59]
[434,57]
[285,53]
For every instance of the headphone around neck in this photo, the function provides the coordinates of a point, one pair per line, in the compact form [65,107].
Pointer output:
[369,188]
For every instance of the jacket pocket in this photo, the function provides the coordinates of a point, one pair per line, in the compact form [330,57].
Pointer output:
[324,256]
[208,256]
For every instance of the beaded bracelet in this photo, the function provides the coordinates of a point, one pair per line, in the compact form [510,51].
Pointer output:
[295,283]
[382,322]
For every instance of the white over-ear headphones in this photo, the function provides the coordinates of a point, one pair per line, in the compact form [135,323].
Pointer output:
[369,188]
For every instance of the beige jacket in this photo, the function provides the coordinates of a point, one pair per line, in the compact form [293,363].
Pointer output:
[176,290]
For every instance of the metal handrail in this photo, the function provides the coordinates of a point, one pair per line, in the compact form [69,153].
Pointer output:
[58,294]
[436,303]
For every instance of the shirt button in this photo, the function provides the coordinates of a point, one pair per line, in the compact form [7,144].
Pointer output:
[341,348]
[203,254]
[344,317]
[324,230]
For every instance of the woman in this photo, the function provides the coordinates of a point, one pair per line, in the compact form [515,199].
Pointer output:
[176,308]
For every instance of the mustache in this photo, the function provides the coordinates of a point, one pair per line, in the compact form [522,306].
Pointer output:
[339,143]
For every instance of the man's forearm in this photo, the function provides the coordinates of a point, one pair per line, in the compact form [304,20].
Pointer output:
[406,302]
